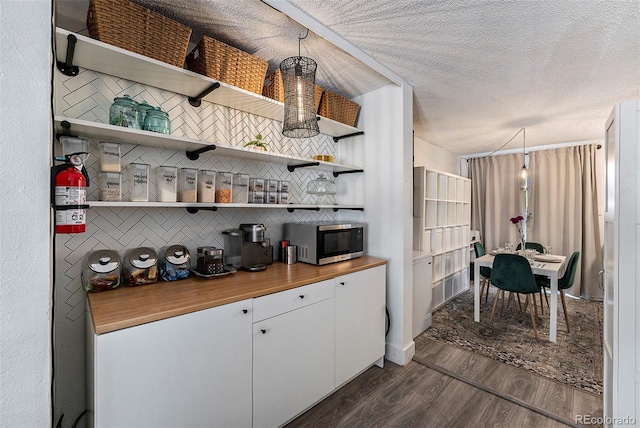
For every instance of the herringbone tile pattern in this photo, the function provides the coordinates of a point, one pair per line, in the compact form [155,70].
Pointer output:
[88,96]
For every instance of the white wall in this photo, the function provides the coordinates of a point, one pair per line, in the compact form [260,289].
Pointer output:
[387,192]
[25,286]
[434,157]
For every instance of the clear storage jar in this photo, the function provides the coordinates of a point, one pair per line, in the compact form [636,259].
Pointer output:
[240,191]
[271,185]
[71,145]
[256,184]
[110,185]
[143,106]
[283,197]
[109,155]
[210,260]
[174,263]
[167,184]
[271,198]
[188,185]
[140,266]
[283,186]
[206,185]
[224,187]
[138,182]
[101,270]
[124,112]
[156,120]
[256,197]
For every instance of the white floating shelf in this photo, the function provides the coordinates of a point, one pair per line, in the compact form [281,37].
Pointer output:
[101,131]
[202,205]
[104,58]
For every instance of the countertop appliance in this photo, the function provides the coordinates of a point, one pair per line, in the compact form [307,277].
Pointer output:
[247,248]
[320,243]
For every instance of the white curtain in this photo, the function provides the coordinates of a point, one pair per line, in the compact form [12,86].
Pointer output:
[563,201]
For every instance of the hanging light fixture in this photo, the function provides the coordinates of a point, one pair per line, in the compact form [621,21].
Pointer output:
[299,79]
[524,174]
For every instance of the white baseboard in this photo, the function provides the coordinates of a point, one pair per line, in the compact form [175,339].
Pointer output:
[400,356]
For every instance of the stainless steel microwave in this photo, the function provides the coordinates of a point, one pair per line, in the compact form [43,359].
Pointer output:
[320,243]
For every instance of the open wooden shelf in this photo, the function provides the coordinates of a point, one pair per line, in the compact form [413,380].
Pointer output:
[104,58]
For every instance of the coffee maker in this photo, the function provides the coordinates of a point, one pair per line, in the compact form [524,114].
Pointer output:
[247,248]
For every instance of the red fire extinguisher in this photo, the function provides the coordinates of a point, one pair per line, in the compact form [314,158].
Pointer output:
[70,195]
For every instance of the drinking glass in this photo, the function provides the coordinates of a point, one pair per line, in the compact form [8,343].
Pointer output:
[547,249]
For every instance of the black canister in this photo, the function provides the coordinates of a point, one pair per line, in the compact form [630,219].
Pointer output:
[210,260]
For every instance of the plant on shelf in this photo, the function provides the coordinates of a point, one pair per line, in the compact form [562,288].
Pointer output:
[257,144]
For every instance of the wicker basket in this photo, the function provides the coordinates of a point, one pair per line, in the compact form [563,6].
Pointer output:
[138,29]
[220,61]
[275,89]
[338,108]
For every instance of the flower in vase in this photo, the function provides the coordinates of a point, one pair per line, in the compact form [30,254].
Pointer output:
[518,221]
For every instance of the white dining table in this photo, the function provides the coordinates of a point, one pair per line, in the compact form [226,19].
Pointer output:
[553,270]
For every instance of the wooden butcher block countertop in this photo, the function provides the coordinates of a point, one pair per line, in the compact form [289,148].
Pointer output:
[130,306]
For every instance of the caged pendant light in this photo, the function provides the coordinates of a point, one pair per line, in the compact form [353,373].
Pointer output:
[299,78]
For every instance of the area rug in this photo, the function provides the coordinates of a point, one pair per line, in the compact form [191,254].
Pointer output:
[575,359]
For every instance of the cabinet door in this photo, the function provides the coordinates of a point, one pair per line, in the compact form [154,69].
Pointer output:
[360,321]
[192,370]
[292,362]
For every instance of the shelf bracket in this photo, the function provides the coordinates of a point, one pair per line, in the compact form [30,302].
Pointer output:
[193,210]
[67,68]
[197,100]
[305,208]
[292,168]
[338,138]
[353,171]
[352,209]
[66,130]
[195,154]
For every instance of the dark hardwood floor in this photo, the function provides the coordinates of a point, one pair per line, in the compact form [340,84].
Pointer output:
[450,387]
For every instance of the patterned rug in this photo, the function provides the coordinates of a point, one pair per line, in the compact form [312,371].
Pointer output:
[575,359]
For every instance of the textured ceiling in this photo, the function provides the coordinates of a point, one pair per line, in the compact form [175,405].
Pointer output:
[481,70]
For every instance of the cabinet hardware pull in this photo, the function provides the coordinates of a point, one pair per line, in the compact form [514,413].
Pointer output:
[302,296]
[263,331]
[244,311]
[342,283]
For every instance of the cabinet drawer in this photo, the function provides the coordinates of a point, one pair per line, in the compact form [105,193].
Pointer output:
[278,303]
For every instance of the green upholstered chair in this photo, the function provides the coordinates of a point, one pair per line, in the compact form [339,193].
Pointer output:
[485,272]
[511,272]
[563,283]
[532,246]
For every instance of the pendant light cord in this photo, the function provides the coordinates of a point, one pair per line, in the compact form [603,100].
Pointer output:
[299,40]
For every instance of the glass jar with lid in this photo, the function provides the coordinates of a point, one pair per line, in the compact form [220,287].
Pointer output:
[206,185]
[140,266]
[240,190]
[210,260]
[138,182]
[124,112]
[167,190]
[110,185]
[143,106]
[322,188]
[174,263]
[101,270]
[156,120]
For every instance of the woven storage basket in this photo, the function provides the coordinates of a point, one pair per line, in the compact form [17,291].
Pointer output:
[338,108]
[138,29]
[275,89]
[222,62]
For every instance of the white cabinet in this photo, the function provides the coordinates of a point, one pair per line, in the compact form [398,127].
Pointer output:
[192,370]
[441,226]
[422,292]
[293,353]
[360,322]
